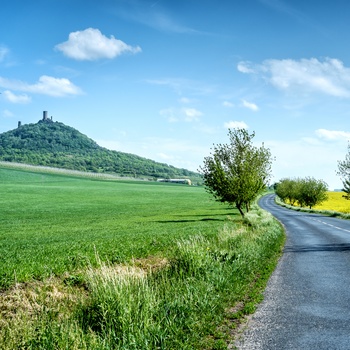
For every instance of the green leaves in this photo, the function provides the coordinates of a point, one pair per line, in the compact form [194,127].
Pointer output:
[307,192]
[344,173]
[237,172]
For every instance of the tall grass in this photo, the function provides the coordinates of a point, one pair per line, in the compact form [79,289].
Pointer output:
[182,305]
[185,293]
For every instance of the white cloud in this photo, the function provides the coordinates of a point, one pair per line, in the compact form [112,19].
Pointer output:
[90,44]
[250,105]
[165,156]
[227,104]
[21,99]
[236,125]
[182,86]
[184,100]
[3,52]
[46,85]
[169,114]
[333,135]
[192,114]
[245,67]
[329,76]
[185,114]
[7,114]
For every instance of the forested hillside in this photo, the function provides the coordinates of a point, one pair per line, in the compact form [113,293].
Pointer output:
[58,145]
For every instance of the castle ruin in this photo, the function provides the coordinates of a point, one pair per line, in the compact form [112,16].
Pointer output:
[44,119]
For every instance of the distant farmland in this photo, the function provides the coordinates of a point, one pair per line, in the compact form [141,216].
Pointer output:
[335,202]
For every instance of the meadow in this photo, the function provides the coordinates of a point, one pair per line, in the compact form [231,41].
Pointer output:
[97,264]
[53,223]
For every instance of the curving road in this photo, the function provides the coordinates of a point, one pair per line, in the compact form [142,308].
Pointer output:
[307,300]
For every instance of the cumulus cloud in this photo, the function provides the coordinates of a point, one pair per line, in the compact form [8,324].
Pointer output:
[329,76]
[46,85]
[13,98]
[250,105]
[90,44]
[236,125]
[333,135]
[192,114]
[245,67]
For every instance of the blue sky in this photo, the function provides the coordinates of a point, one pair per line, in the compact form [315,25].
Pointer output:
[164,79]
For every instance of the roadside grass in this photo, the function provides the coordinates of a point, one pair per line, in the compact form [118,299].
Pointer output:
[117,265]
[336,206]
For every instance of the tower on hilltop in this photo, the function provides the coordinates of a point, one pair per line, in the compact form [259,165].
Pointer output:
[45,117]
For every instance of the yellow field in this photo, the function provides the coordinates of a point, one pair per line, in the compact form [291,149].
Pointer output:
[335,202]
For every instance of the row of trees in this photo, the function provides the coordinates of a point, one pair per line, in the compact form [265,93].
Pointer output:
[306,192]
[236,173]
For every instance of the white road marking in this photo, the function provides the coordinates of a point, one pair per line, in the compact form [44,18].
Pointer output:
[325,223]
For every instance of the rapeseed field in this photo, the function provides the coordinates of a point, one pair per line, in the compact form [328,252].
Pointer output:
[335,202]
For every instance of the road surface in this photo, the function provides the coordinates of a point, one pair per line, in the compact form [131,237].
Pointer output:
[307,300]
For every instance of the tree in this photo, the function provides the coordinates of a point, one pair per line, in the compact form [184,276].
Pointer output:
[344,173]
[308,192]
[236,173]
[287,190]
[312,192]
[346,188]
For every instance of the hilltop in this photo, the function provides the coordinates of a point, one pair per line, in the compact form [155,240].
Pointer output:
[55,144]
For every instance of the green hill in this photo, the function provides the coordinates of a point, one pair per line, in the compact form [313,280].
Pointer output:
[55,144]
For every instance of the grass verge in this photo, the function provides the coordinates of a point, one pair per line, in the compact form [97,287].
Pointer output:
[189,298]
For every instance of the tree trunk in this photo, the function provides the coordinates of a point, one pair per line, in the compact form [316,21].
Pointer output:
[239,207]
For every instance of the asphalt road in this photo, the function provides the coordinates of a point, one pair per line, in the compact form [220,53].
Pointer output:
[307,300]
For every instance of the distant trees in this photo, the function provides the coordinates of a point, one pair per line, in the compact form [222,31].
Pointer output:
[344,173]
[307,192]
[237,172]
[57,145]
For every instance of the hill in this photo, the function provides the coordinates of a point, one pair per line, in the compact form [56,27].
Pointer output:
[55,144]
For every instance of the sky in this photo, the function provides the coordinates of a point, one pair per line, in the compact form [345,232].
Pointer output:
[166,79]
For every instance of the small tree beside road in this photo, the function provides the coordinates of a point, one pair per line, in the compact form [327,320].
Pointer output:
[344,173]
[236,173]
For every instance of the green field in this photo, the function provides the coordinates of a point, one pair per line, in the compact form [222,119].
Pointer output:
[67,242]
[52,223]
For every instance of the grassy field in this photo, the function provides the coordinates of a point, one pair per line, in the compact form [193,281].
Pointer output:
[91,264]
[51,223]
[335,202]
